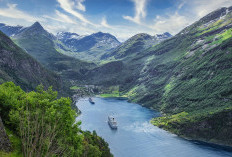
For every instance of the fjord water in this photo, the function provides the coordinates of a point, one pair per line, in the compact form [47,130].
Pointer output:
[135,136]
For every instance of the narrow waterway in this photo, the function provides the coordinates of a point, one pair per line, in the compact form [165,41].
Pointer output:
[135,136]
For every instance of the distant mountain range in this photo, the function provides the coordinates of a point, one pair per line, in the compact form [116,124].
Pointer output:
[37,42]
[92,47]
[83,43]
[89,47]
[11,30]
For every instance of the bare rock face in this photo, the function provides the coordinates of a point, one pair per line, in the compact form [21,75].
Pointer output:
[5,144]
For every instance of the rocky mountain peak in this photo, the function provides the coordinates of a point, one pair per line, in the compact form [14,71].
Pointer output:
[37,26]
[11,30]
[99,34]
[67,35]
[35,29]
[167,34]
[2,24]
[103,35]
[163,36]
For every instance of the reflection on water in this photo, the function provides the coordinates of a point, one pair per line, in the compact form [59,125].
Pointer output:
[135,136]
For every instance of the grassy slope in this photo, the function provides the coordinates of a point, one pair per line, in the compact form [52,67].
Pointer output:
[181,63]
[200,85]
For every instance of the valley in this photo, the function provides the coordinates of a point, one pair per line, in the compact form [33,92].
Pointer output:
[186,77]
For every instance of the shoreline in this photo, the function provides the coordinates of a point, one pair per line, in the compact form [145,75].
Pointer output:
[199,140]
[202,141]
[113,97]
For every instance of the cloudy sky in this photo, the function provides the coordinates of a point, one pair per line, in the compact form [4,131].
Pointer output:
[122,18]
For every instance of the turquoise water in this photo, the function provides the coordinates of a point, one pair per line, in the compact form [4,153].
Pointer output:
[135,136]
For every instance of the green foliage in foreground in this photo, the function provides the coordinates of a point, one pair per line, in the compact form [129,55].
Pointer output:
[92,142]
[16,145]
[45,124]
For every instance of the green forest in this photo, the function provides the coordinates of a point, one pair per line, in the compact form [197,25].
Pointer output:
[41,124]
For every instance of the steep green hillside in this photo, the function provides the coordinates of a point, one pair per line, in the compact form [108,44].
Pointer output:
[195,65]
[17,66]
[200,84]
[190,73]
[39,44]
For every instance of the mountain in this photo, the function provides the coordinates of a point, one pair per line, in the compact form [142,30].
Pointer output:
[11,30]
[17,66]
[37,42]
[187,77]
[135,45]
[163,36]
[35,29]
[67,37]
[89,47]
[197,89]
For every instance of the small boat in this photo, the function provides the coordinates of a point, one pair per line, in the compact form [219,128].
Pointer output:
[91,101]
[112,122]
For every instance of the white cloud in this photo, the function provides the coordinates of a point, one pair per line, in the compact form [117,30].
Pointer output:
[65,18]
[69,6]
[140,11]
[181,5]
[60,17]
[186,13]
[172,23]
[12,12]
[203,7]
[104,23]
[55,27]
[80,6]
[54,22]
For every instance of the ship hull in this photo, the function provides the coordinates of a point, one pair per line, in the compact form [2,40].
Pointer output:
[112,126]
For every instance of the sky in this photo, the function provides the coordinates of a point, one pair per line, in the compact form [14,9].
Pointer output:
[121,18]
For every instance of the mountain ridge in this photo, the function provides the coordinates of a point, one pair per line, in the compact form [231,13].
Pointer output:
[40,44]
[88,47]
[16,65]
[135,44]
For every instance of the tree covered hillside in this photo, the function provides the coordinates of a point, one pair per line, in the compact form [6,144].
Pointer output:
[40,124]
